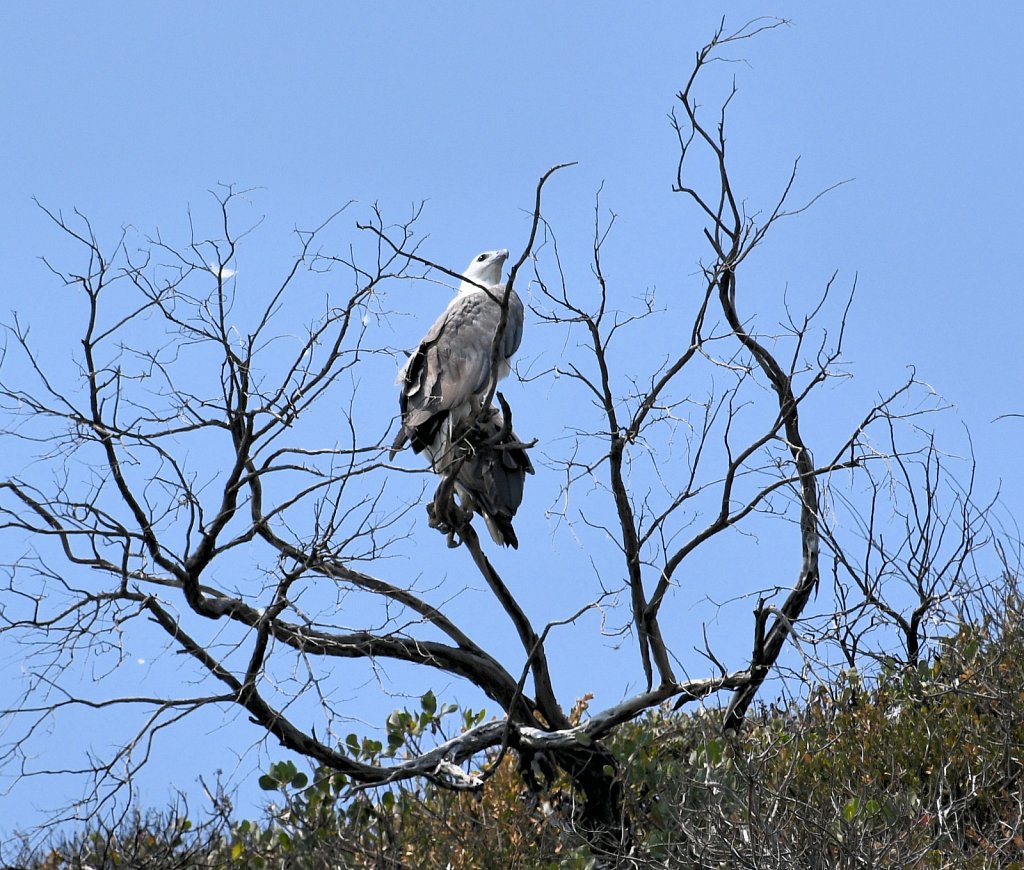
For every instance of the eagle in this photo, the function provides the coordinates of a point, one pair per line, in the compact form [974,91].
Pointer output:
[443,387]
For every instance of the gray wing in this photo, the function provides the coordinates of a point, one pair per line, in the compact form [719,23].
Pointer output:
[452,365]
[514,326]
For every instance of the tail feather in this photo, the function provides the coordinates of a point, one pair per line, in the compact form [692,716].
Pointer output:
[501,531]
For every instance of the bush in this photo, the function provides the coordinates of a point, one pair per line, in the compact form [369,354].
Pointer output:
[916,768]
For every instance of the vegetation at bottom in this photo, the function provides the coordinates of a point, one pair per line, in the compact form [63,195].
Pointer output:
[914,767]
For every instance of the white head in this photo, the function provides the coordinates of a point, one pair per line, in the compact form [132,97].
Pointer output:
[485,269]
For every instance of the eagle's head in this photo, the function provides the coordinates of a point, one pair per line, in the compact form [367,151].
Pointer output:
[485,269]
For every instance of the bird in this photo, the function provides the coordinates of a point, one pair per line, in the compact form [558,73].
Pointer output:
[443,387]
[448,377]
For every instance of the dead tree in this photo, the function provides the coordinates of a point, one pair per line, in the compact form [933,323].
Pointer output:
[270,569]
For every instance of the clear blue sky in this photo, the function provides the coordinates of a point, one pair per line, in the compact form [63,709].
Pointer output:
[132,112]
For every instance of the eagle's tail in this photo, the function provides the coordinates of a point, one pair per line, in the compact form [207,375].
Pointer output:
[501,530]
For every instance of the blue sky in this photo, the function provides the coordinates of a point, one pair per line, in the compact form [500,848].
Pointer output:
[133,112]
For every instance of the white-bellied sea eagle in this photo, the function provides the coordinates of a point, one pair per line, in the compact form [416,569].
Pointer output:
[444,385]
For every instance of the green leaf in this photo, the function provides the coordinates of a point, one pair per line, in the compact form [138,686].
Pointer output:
[429,703]
[851,809]
[300,780]
[268,783]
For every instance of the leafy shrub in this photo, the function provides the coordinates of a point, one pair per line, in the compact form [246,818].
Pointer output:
[920,767]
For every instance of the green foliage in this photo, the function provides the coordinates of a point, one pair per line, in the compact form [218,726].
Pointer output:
[922,768]
[919,767]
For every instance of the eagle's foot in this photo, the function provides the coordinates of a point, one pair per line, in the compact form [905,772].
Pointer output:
[445,515]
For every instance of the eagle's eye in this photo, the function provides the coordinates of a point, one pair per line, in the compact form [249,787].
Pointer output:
[481,258]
